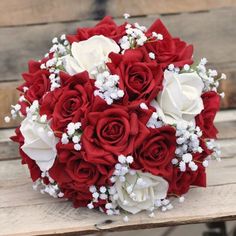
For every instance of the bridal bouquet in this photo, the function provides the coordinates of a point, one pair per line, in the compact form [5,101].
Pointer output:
[118,117]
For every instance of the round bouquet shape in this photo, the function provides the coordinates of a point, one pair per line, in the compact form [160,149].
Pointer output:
[118,117]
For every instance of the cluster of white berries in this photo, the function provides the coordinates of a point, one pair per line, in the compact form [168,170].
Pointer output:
[103,193]
[155,121]
[73,133]
[122,168]
[15,111]
[107,86]
[163,204]
[172,68]
[212,145]
[52,188]
[135,36]
[187,138]
[209,77]
[60,48]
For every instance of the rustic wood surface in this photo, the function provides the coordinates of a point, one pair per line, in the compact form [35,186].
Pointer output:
[213,36]
[26,212]
[43,11]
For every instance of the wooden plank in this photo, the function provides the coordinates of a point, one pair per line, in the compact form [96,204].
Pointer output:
[28,210]
[204,30]
[8,96]
[34,12]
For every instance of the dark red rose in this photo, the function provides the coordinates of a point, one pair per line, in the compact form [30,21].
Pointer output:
[71,165]
[181,181]
[205,120]
[74,102]
[111,133]
[35,172]
[48,102]
[155,153]
[80,197]
[140,77]
[169,50]
[106,27]
[38,85]
[200,157]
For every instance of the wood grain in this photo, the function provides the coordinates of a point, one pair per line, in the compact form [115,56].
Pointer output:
[33,12]
[206,35]
[8,96]
[59,217]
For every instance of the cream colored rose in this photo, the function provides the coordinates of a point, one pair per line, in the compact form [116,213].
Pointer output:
[180,98]
[87,54]
[40,143]
[143,195]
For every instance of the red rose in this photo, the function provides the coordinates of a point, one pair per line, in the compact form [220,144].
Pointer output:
[35,172]
[74,102]
[70,165]
[80,197]
[155,153]
[106,27]
[38,85]
[140,77]
[181,181]
[111,133]
[169,50]
[205,120]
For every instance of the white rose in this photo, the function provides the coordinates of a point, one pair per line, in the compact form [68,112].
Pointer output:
[143,196]
[180,98]
[38,145]
[87,54]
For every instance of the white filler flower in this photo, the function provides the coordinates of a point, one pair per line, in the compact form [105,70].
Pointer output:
[88,54]
[146,190]
[39,145]
[180,98]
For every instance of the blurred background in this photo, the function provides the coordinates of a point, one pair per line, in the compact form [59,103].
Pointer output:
[27,27]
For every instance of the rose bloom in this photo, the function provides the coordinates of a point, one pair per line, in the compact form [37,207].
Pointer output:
[140,77]
[74,101]
[38,85]
[169,50]
[88,54]
[71,165]
[35,172]
[205,120]
[182,181]
[156,152]
[154,188]
[180,98]
[106,27]
[110,133]
[38,145]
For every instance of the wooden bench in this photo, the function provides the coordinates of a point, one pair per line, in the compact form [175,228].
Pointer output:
[26,30]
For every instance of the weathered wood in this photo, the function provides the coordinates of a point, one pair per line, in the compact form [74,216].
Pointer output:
[204,30]
[50,218]
[8,96]
[33,12]
[28,210]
